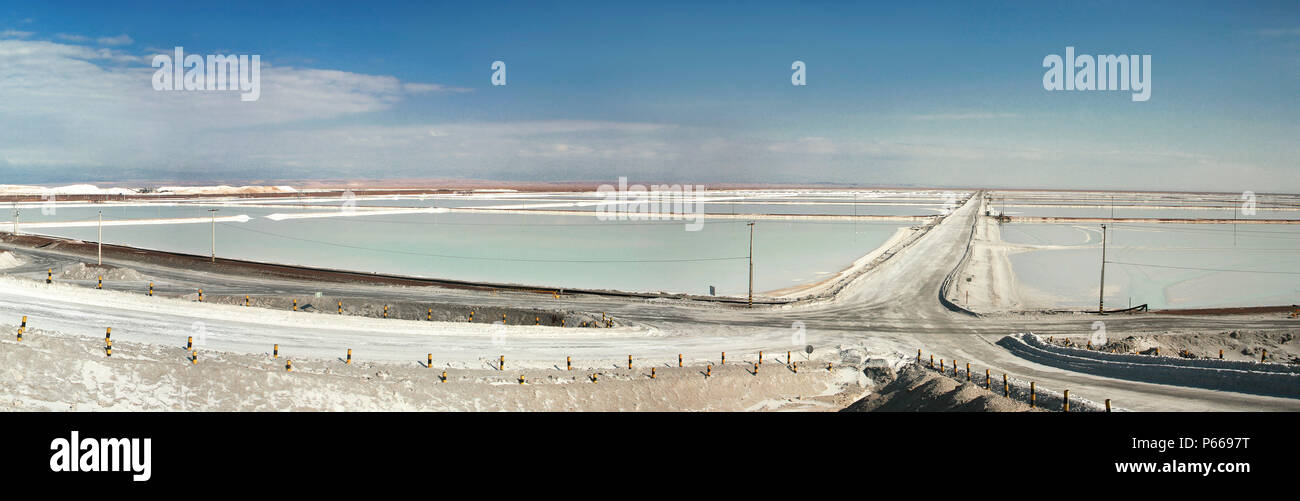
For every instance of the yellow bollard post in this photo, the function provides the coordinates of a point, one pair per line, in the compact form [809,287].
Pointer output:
[521,379]
[828,366]
[760,357]
[444,376]
[275,351]
[1066,404]
[503,319]
[246,300]
[340,307]
[503,362]
[471,316]
[941,369]
[988,381]
[1263,356]
[755,369]
[428,315]
[349,360]
[288,365]
[708,370]
[1220,354]
[22,328]
[918,356]
[652,373]
[1157,351]
[385,311]
[49,276]
[679,359]
[429,364]
[108,341]
[189,342]
[194,357]
[1033,396]
[537,320]
[1006,387]
[629,362]
[561,322]
[150,289]
[568,363]
[724,358]
[931,360]
[101,282]
[1108,405]
[295,305]
[593,377]
[968,371]
[795,366]
[200,295]
[788,358]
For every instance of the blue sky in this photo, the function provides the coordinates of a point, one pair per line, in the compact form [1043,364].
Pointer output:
[945,93]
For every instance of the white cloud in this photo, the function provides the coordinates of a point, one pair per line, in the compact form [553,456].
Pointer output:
[15,34]
[418,88]
[65,104]
[122,39]
[72,38]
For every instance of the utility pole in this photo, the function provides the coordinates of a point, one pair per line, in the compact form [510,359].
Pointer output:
[99,246]
[855,214]
[1101,298]
[1234,226]
[213,212]
[751,264]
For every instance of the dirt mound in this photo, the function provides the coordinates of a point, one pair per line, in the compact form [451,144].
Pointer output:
[9,260]
[919,390]
[83,271]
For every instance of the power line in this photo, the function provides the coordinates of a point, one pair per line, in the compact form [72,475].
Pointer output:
[481,258]
[1206,269]
[1293,234]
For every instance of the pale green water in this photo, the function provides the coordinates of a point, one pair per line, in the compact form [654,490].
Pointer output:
[541,250]
[1164,265]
